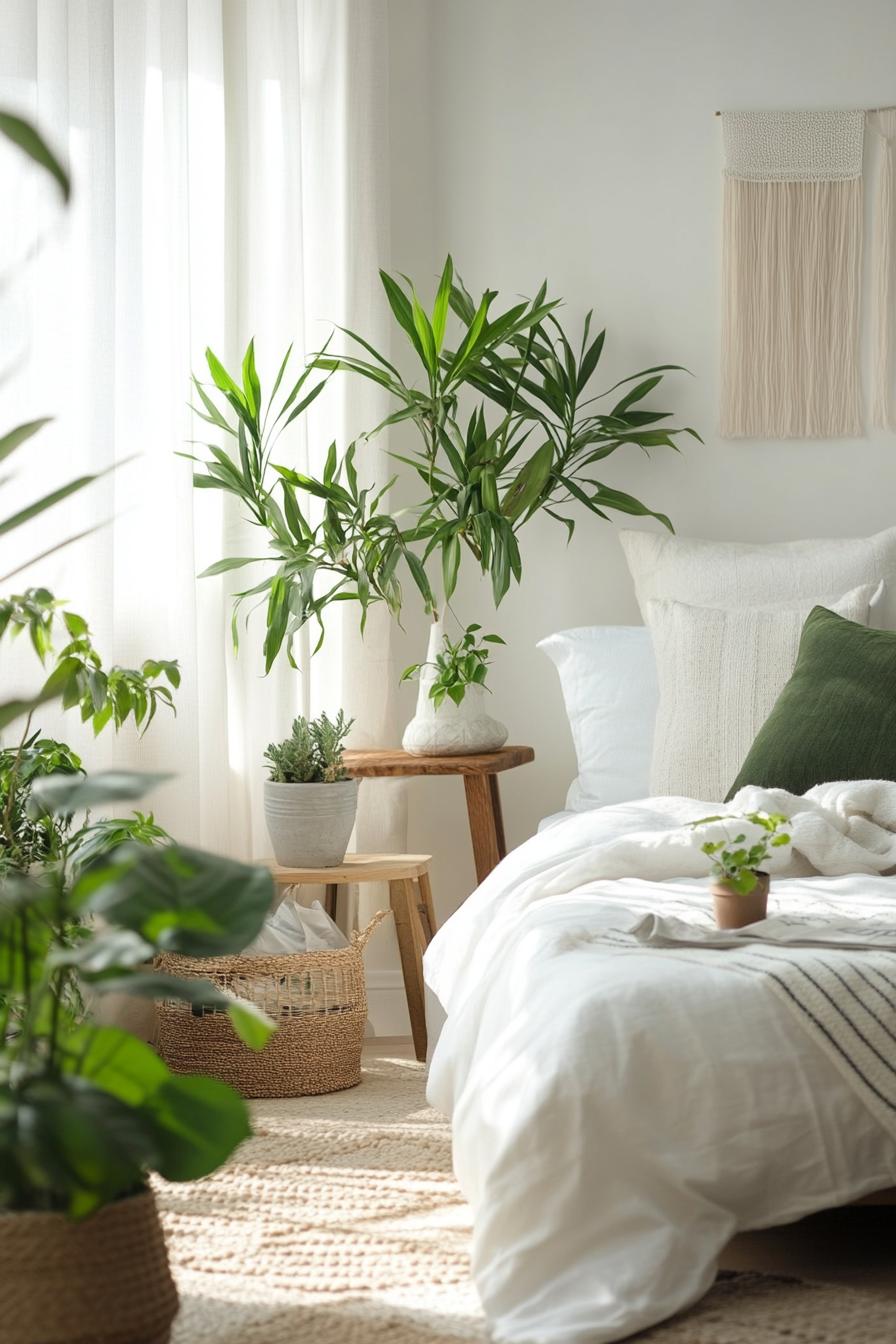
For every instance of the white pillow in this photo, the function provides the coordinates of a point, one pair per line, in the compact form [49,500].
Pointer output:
[720,673]
[608,679]
[732,574]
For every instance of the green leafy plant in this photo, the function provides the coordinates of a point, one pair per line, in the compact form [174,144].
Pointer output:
[480,481]
[735,860]
[28,139]
[102,695]
[461,663]
[111,695]
[349,549]
[28,840]
[312,754]
[86,1111]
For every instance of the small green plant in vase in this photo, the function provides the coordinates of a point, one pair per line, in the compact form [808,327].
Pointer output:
[310,801]
[740,884]
[450,717]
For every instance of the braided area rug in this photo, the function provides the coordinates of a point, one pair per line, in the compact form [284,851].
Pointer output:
[340,1222]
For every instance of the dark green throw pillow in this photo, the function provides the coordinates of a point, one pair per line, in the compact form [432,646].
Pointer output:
[836,717]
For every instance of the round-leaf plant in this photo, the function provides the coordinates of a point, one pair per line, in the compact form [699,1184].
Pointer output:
[461,663]
[736,860]
[87,1111]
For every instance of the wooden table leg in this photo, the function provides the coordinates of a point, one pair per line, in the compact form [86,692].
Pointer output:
[426,908]
[483,824]
[402,899]
[495,796]
[331,895]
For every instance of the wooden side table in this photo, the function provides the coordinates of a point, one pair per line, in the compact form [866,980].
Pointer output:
[480,776]
[410,897]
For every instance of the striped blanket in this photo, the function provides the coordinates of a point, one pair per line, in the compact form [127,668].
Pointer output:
[835,976]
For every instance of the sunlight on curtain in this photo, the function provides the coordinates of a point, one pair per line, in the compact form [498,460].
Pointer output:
[227,159]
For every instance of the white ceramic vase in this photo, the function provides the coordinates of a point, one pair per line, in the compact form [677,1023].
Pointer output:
[310,825]
[450,730]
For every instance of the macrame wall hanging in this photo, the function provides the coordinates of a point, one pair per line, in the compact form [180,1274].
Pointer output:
[882,123]
[791,256]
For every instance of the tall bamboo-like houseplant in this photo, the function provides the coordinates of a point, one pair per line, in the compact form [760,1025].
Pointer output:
[532,443]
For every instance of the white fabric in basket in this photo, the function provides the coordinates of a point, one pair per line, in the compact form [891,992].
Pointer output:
[293,927]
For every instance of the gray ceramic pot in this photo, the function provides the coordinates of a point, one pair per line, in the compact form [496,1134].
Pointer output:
[310,825]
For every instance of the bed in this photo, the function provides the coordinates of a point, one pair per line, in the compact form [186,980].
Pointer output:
[619,1112]
[625,1097]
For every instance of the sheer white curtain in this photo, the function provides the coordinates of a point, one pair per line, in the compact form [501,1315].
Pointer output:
[227,157]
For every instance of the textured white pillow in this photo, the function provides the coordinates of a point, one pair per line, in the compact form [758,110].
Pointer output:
[608,679]
[720,673]
[746,574]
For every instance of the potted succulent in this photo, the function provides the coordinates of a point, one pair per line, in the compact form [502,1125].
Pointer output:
[310,803]
[87,1111]
[451,717]
[740,886]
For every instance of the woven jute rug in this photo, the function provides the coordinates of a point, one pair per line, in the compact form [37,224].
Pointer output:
[340,1222]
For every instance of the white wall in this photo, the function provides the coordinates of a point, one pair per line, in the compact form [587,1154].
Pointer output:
[576,139]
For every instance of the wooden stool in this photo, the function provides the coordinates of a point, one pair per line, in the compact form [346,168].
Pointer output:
[410,897]
[480,775]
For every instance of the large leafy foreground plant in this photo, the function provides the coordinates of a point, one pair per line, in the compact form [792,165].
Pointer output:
[87,1111]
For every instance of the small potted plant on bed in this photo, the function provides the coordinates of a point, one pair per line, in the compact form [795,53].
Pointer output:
[451,717]
[310,803]
[740,886]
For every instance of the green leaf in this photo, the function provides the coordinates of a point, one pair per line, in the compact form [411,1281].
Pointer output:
[198,1123]
[180,899]
[527,488]
[450,564]
[589,361]
[61,795]
[105,950]
[402,312]
[114,1060]
[10,710]
[32,143]
[222,378]
[253,1027]
[251,384]
[232,562]
[74,624]
[440,307]
[425,335]
[47,502]
[11,441]
[79,1146]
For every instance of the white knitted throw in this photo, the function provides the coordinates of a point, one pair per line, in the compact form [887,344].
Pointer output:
[844,998]
[792,245]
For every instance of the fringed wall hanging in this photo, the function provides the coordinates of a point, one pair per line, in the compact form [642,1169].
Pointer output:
[791,256]
[882,122]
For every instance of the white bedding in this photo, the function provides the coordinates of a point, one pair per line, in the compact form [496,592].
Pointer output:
[617,1117]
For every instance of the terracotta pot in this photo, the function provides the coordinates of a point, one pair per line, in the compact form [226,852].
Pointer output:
[101,1281]
[734,911]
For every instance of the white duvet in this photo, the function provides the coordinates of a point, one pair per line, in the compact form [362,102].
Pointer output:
[617,1118]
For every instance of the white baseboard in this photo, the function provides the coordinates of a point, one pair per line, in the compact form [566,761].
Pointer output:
[387,1005]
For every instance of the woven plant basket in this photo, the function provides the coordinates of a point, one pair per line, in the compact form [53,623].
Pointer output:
[101,1281]
[317,999]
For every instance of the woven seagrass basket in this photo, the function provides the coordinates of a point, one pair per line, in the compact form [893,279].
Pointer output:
[101,1281]
[317,999]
